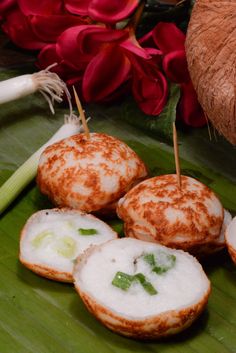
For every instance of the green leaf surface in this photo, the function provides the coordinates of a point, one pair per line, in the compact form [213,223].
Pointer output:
[160,125]
[42,316]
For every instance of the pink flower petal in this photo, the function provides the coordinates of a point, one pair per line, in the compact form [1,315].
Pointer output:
[150,88]
[151,95]
[147,40]
[51,26]
[19,30]
[168,37]
[78,45]
[105,73]
[49,55]
[108,11]
[77,7]
[6,5]
[132,45]
[40,7]
[189,109]
[175,66]
[70,46]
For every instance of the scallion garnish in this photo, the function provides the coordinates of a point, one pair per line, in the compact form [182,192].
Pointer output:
[38,240]
[165,263]
[150,259]
[123,281]
[147,286]
[87,231]
[66,247]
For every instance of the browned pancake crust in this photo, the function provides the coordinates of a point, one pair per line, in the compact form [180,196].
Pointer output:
[144,210]
[62,181]
[154,327]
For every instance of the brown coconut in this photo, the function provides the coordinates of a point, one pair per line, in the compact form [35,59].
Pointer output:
[211,56]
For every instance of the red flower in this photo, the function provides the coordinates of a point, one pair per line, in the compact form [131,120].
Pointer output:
[6,5]
[33,24]
[170,40]
[103,61]
[105,11]
[100,60]
[149,85]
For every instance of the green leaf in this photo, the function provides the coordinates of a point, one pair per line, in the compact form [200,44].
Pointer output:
[42,316]
[160,125]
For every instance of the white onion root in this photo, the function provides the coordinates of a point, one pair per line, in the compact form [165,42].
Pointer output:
[46,82]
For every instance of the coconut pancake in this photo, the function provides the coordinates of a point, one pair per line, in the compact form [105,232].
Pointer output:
[52,239]
[157,210]
[141,289]
[230,236]
[89,174]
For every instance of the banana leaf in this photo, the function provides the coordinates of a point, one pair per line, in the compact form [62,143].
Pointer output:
[41,316]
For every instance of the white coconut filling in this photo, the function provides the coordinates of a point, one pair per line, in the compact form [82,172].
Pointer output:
[56,239]
[182,284]
[231,233]
[213,206]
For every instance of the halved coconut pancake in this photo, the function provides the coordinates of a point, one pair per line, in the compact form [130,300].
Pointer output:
[52,239]
[89,174]
[190,219]
[230,237]
[141,289]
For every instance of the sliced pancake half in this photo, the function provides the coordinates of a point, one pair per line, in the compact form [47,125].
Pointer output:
[52,239]
[230,237]
[141,289]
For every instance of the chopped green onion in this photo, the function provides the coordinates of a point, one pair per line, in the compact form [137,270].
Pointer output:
[66,247]
[122,280]
[38,240]
[150,259]
[87,231]
[171,259]
[147,286]
[160,268]
[26,173]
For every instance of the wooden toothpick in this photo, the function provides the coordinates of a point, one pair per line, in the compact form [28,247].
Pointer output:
[176,152]
[81,113]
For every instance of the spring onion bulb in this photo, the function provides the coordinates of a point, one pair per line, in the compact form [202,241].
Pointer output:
[27,171]
[47,83]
